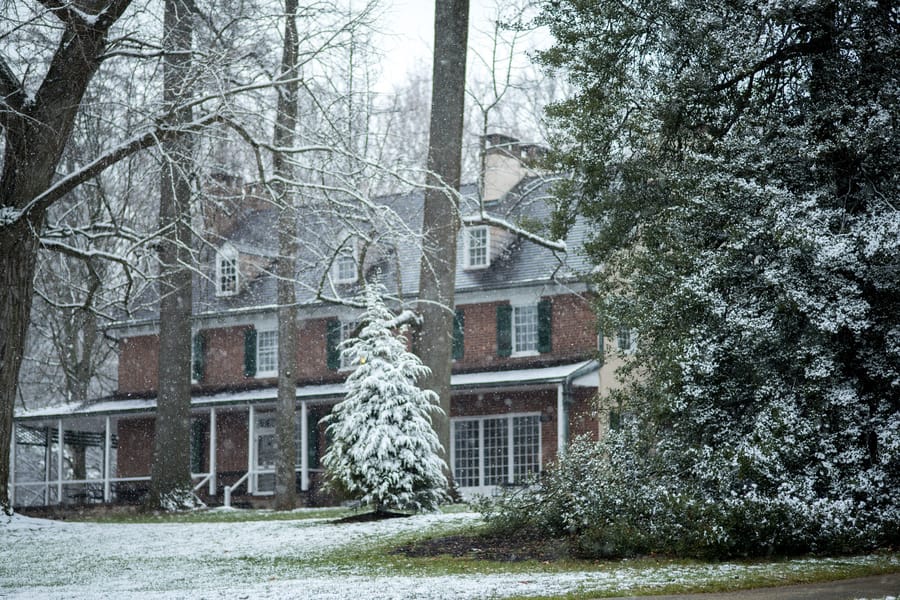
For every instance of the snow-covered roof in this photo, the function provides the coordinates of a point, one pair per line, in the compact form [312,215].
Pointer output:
[580,374]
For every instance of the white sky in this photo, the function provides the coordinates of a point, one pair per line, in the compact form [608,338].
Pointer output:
[408,38]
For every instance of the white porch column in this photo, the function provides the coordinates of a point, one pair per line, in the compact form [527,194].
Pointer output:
[304,447]
[59,462]
[561,417]
[12,467]
[212,452]
[48,455]
[107,462]
[251,449]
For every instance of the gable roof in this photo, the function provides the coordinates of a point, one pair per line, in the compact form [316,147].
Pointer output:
[393,224]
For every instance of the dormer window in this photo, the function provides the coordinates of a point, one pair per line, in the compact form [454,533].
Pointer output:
[344,270]
[344,267]
[477,240]
[226,271]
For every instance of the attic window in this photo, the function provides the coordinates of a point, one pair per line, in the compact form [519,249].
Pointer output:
[226,271]
[344,270]
[477,240]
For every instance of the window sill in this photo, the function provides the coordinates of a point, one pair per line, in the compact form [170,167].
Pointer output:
[525,354]
[265,374]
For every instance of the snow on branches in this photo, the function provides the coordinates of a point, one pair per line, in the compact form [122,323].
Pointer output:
[384,450]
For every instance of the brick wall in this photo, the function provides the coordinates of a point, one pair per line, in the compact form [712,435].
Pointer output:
[231,440]
[574,337]
[138,364]
[311,351]
[134,454]
[224,364]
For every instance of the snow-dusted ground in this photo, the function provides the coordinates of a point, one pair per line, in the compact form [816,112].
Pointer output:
[273,559]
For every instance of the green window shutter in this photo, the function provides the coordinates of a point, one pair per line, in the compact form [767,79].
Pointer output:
[504,330]
[249,353]
[332,341]
[199,356]
[197,431]
[545,319]
[459,322]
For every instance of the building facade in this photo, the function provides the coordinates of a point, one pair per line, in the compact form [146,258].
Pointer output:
[526,372]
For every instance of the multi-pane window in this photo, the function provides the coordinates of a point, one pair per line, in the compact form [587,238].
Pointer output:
[625,340]
[345,266]
[525,329]
[226,272]
[491,451]
[266,353]
[496,451]
[466,453]
[526,447]
[476,247]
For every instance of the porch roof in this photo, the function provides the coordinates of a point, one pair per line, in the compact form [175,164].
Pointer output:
[580,374]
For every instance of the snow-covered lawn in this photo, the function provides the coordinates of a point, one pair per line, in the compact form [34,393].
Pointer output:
[307,558]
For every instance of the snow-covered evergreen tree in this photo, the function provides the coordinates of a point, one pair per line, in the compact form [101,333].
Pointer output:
[384,450]
[740,161]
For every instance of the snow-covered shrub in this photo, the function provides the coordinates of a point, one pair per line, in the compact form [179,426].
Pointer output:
[615,499]
[384,450]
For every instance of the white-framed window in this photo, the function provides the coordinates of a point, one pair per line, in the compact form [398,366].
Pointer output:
[525,329]
[267,353]
[477,244]
[347,330]
[344,268]
[626,340]
[227,271]
[495,450]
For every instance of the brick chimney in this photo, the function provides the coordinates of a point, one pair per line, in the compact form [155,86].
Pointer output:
[506,162]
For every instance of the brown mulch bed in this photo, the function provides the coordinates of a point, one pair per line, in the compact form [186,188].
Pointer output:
[505,548]
[369,516]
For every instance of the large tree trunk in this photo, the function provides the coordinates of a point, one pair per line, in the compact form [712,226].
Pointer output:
[170,486]
[18,252]
[36,131]
[283,137]
[437,279]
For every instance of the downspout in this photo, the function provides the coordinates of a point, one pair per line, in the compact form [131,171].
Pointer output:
[564,402]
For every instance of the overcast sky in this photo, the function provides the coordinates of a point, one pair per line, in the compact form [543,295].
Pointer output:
[408,38]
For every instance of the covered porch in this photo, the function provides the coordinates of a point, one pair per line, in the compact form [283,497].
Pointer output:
[505,425]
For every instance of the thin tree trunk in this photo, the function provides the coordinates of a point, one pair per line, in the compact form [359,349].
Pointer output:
[285,126]
[170,485]
[437,279]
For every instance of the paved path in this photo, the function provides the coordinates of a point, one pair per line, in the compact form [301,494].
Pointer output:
[876,587]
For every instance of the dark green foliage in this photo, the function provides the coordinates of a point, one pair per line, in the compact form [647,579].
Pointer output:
[740,165]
